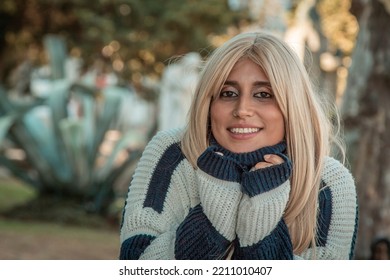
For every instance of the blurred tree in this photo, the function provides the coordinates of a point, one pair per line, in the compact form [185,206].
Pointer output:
[328,30]
[337,29]
[135,37]
[366,114]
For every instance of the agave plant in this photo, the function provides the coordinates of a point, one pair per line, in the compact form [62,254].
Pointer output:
[64,151]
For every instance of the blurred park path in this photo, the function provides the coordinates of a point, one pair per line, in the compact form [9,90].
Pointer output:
[44,241]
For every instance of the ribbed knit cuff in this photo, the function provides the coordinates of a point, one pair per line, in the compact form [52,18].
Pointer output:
[266,179]
[133,247]
[197,239]
[276,246]
[220,166]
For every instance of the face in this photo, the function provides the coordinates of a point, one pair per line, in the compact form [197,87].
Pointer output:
[245,116]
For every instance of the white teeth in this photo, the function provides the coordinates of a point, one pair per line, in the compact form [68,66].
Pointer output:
[244,130]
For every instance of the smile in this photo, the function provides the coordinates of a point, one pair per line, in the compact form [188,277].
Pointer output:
[245,130]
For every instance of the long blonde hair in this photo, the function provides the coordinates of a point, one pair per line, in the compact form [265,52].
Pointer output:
[308,129]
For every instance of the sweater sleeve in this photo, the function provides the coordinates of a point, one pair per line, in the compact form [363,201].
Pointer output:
[210,228]
[338,215]
[261,231]
[158,199]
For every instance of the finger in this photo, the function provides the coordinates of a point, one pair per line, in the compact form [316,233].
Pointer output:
[274,159]
[260,165]
[270,160]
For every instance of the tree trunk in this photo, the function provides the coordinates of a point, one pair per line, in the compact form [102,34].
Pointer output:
[366,114]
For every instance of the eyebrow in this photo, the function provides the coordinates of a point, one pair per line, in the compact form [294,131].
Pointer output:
[257,83]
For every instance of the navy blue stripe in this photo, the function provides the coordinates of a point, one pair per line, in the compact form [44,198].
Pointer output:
[276,246]
[161,177]
[265,179]
[197,238]
[123,213]
[133,247]
[353,242]
[325,216]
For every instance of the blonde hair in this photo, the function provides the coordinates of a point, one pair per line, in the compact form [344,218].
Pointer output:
[307,127]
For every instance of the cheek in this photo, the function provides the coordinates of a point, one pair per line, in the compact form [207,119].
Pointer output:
[216,115]
[277,119]
[215,125]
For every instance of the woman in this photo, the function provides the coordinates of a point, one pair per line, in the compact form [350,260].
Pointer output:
[250,177]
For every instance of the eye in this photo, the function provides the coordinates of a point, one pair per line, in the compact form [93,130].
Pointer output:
[263,94]
[228,94]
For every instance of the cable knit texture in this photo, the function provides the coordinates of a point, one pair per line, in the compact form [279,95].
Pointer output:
[174,211]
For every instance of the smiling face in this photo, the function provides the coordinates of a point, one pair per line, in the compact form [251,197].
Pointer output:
[245,115]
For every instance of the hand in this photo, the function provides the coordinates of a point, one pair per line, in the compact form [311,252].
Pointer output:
[270,160]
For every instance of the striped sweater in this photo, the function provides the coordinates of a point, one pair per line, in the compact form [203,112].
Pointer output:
[174,211]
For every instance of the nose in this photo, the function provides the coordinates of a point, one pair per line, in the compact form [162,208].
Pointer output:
[243,108]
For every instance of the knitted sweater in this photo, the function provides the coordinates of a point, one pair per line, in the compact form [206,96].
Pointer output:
[174,211]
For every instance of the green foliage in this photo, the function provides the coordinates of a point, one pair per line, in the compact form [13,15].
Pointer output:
[14,193]
[136,37]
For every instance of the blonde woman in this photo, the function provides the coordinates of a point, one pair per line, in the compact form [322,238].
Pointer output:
[250,177]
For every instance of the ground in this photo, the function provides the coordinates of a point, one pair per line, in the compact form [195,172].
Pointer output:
[25,238]
[45,241]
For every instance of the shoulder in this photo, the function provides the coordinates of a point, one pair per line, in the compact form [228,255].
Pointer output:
[168,137]
[335,169]
[165,138]
[337,176]
[164,144]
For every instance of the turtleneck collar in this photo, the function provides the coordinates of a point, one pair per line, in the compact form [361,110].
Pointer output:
[249,159]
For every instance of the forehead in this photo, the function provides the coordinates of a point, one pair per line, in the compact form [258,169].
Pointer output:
[246,70]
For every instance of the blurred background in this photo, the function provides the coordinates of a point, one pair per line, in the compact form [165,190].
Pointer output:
[85,85]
